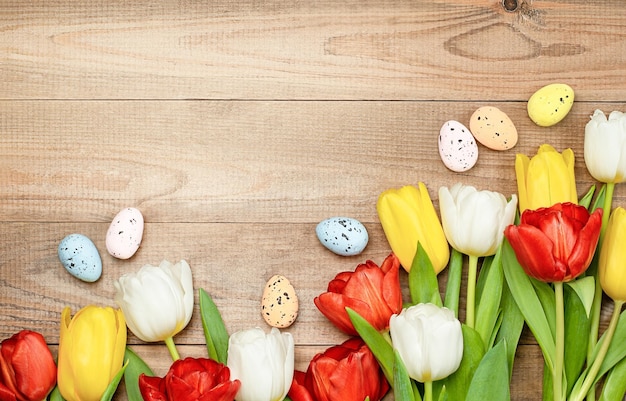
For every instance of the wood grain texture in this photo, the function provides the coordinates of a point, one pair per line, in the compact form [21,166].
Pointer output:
[373,49]
[237,126]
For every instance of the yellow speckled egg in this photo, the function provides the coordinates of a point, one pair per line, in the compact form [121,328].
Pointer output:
[550,104]
[279,304]
[493,128]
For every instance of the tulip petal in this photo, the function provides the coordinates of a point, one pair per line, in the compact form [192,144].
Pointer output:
[392,294]
[333,306]
[534,253]
[6,394]
[611,266]
[583,251]
[298,392]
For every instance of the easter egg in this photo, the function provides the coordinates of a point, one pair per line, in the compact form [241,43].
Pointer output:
[344,236]
[125,233]
[279,304]
[493,128]
[550,104]
[457,147]
[80,257]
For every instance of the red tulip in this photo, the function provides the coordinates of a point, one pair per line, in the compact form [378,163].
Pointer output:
[27,368]
[556,244]
[371,291]
[191,379]
[346,372]
[297,391]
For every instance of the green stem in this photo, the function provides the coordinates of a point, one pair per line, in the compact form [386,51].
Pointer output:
[557,372]
[596,306]
[169,341]
[471,291]
[428,391]
[590,378]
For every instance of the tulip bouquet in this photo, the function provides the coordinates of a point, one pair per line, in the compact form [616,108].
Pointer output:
[249,365]
[547,267]
[541,258]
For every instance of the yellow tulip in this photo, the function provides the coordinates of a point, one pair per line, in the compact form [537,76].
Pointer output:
[612,263]
[546,179]
[91,351]
[408,217]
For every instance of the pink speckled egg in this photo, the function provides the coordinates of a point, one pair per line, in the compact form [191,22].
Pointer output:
[125,233]
[457,147]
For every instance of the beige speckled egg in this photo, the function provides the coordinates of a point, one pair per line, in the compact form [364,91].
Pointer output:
[493,128]
[279,304]
[550,104]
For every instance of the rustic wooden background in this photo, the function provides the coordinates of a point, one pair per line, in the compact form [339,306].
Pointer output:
[236,126]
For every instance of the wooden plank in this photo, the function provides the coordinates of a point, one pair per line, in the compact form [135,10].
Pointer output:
[231,261]
[419,49]
[246,161]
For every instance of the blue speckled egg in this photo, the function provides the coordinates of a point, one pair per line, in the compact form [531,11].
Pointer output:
[344,236]
[80,257]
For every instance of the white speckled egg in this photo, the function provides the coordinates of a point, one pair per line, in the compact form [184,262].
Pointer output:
[80,257]
[457,147]
[344,236]
[125,233]
[493,128]
[550,104]
[279,304]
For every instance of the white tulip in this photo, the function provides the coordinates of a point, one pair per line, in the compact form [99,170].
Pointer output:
[474,221]
[157,301]
[263,363]
[429,340]
[605,147]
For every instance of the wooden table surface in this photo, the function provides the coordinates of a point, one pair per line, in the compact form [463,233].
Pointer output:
[236,126]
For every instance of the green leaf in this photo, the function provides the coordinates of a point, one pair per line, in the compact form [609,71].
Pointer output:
[511,326]
[457,384]
[614,387]
[586,199]
[443,395]
[491,380]
[547,393]
[214,330]
[55,395]
[599,202]
[112,387]
[402,389]
[585,287]
[136,366]
[577,326]
[482,276]
[488,305]
[453,285]
[380,347]
[545,292]
[423,285]
[530,306]
[617,348]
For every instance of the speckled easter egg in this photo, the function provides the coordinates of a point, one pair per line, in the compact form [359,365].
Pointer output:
[279,304]
[125,233]
[344,236]
[80,257]
[457,147]
[550,104]
[493,128]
